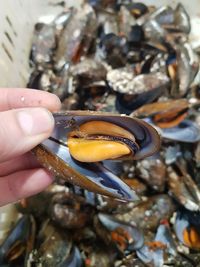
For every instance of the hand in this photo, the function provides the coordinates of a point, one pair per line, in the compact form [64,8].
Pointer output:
[24,123]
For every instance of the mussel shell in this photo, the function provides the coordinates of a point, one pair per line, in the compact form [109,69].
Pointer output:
[146,136]
[183,188]
[8,215]
[69,211]
[180,224]
[136,101]
[182,19]
[43,44]
[164,15]
[187,132]
[55,247]
[94,177]
[83,22]
[111,224]
[74,259]
[137,9]
[171,107]
[148,214]
[164,235]
[123,81]
[186,227]
[151,258]
[15,245]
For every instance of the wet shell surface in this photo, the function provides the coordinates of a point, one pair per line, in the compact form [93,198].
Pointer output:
[133,137]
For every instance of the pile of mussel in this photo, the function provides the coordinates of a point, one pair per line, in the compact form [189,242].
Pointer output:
[125,150]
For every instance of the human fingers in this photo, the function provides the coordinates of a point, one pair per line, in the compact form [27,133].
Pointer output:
[23,184]
[23,129]
[24,162]
[13,98]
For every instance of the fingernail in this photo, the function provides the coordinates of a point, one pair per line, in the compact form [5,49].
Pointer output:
[35,121]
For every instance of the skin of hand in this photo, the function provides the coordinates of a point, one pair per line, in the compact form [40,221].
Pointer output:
[25,121]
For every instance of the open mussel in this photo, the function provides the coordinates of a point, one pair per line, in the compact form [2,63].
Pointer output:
[164,114]
[186,227]
[124,236]
[19,242]
[160,251]
[82,137]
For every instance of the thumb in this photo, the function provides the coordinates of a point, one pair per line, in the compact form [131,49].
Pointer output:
[23,129]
